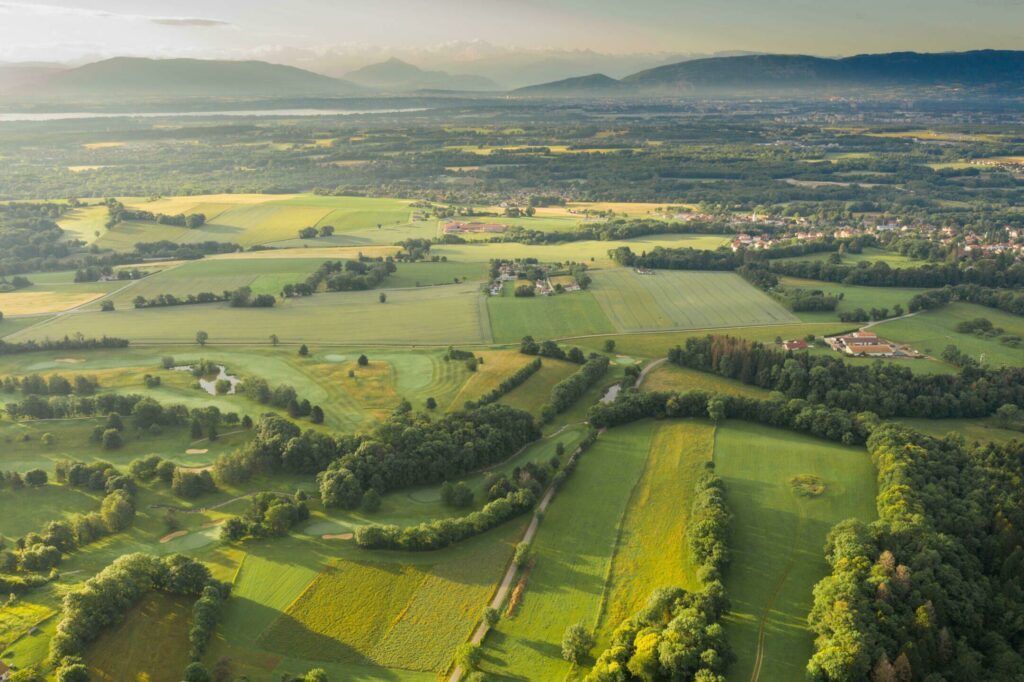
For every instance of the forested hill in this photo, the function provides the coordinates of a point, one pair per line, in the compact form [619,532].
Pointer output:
[169,78]
[1001,70]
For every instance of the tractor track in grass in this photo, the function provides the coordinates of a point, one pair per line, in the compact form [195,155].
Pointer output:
[755,674]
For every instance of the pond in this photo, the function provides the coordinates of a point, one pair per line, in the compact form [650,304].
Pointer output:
[210,385]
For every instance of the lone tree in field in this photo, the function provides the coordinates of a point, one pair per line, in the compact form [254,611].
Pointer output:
[202,337]
[431,403]
[107,306]
[274,340]
[316,415]
[576,643]
[303,350]
[363,361]
[609,345]
[383,298]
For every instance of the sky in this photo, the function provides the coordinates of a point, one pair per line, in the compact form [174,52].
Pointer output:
[80,30]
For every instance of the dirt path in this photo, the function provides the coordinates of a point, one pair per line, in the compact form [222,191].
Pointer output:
[890,319]
[646,370]
[763,622]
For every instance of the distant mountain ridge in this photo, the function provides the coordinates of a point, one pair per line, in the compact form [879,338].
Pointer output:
[396,75]
[975,69]
[170,78]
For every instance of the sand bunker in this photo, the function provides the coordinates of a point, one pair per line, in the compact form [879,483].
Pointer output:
[197,451]
[70,361]
[332,357]
[173,536]
[338,536]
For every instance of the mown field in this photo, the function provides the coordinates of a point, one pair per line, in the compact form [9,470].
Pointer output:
[451,314]
[683,300]
[252,219]
[853,298]
[545,317]
[651,549]
[777,538]
[574,549]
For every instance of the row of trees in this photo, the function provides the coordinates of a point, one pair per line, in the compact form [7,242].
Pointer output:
[54,384]
[241,297]
[441,533]
[567,391]
[510,382]
[886,389]
[117,213]
[830,423]
[78,342]
[1009,301]
[1001,272]
[349,275]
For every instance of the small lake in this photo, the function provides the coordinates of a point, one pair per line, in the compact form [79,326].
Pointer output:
[210,385]
[71,115]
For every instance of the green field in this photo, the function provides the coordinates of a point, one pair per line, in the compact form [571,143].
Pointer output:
[683,300]
[671,377]
[931,331]
[545,317]
[777,539]
[651,549]
[151,643]
[574,549]
[870,254]
[853,297]
[439,316]
[252,219]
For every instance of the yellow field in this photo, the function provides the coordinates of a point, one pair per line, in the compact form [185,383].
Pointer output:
[669,377]
[497,366]
[651,550]
[39,302]
[103,145]
[175,205]
[321,252]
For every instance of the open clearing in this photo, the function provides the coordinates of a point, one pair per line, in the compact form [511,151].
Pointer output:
[574,548]
[777,537]
[683,300]
[545,317]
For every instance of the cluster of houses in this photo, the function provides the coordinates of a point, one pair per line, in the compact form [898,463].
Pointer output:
[456,227]
[868,344]
[506,273]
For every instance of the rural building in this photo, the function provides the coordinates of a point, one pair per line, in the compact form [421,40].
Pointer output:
[867,344]
[5,672]
[464,228]
[795,344]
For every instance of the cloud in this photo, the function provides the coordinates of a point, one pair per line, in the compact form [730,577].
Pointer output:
[37,9]
[188,21]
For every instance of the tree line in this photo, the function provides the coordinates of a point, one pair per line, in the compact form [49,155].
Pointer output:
[932,589]
[510,382]
[1009,301]
[117,213]
[567,391]
[241,297]
[886,389]
[67,343]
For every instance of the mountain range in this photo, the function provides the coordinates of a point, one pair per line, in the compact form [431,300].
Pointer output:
[758,73]
[168,79]
[395,75]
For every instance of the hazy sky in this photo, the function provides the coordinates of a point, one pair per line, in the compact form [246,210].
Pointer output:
[75,29]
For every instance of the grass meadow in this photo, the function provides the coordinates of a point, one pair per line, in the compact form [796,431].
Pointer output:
[683,300]
[574,549]
[439,316]
[777,539]
[545,317]
[931,331]
[651,549]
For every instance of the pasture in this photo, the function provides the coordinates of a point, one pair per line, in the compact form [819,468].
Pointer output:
[574,549]
[439,316]
[853,297]
[671,377]
[651,548]
[545,317]
[777,536]
[682,300]
[253,219]
[931,331]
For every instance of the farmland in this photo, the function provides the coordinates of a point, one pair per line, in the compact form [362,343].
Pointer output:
[411,461]
[777,538]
